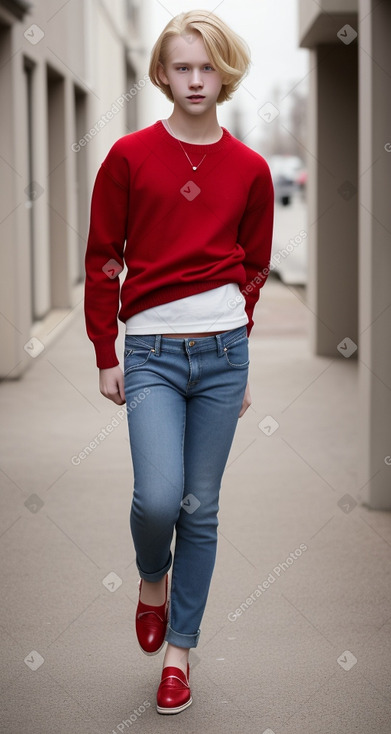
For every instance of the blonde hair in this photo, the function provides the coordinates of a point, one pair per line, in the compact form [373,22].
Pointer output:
[227,51]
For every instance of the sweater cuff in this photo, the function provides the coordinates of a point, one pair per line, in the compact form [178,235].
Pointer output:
[106,356]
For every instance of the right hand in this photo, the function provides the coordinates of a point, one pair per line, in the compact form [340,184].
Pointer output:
[111,384]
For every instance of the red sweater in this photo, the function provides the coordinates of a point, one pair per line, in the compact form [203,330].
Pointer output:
[186,231]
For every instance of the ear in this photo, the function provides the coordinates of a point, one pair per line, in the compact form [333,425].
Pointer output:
[161,73]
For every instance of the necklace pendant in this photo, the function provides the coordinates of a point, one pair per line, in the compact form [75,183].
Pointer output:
[195,168]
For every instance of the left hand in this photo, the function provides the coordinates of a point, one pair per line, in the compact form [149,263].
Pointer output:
[246,401]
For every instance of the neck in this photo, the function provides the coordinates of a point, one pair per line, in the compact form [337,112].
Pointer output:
[200,129]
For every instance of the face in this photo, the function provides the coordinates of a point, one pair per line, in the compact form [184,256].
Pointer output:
[195,83]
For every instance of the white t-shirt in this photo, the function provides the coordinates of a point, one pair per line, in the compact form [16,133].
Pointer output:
[219,309]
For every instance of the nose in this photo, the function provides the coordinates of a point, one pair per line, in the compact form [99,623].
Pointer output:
[195,79]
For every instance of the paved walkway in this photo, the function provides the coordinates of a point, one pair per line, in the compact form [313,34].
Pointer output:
[296,635]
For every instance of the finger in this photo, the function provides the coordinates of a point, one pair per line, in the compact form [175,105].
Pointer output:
[121,389]
[246,404]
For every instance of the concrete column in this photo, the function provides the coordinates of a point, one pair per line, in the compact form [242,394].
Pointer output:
[9,210]
[41,254]
[375,253]
[18,275]
[71,182]
[332,216]
[58,192]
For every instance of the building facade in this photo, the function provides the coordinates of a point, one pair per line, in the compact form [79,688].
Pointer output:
[62,107]
[349,187]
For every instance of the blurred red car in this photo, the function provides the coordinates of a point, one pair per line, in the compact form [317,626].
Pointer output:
[285,170]
[301,180]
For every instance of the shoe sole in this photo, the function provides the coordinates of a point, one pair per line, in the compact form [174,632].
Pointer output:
[151,654]
[176,710]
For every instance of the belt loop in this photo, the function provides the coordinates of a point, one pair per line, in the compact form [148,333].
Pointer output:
[158,339]
[220,344]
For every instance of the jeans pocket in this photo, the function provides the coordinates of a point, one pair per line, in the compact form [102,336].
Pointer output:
[236,353]
[136,356]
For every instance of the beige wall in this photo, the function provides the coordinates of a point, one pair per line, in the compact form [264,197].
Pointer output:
[333,200]
[375,252]
[71,88]
[350,261]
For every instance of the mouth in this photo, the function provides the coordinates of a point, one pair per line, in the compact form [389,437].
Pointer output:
[196,96]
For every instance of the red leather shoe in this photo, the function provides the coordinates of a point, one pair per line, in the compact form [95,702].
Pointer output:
[151,625]
[174,693]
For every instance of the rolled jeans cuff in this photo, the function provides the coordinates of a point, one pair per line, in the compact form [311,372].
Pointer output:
[176,638]
[157,575]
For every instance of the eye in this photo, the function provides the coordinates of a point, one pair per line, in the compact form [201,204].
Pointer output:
[181,68]
[208,67]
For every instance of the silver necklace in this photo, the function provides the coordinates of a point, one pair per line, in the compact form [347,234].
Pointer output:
[174,136]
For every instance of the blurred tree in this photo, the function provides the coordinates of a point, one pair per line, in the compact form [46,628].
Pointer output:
[297,123]
[286,135]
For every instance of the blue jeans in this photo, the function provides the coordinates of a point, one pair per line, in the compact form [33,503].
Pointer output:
[183,399]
